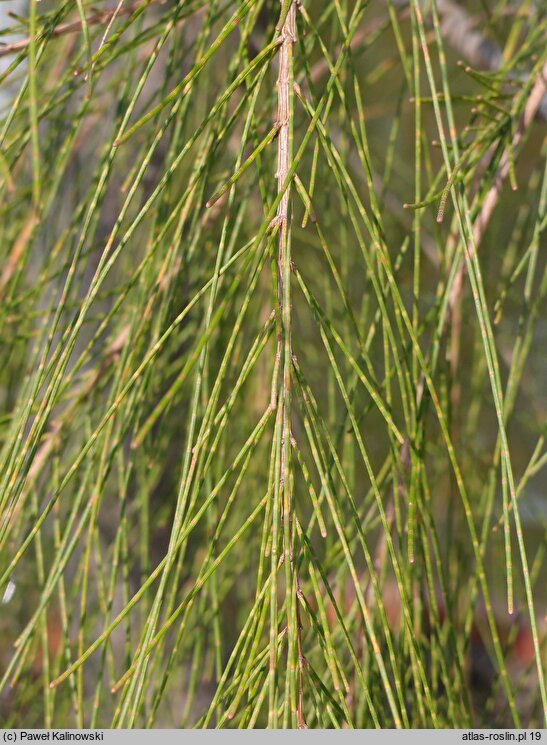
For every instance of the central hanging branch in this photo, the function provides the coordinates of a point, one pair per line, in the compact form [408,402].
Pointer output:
[283,513]
[287,30]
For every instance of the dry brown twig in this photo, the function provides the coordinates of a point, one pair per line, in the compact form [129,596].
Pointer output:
[480,225]
[457,28]
[532,107]
[97,18]
[54,433]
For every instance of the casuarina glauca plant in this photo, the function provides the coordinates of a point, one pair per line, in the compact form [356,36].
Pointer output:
[273,299]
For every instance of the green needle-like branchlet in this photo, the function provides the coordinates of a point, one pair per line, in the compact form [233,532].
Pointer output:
[273,301]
